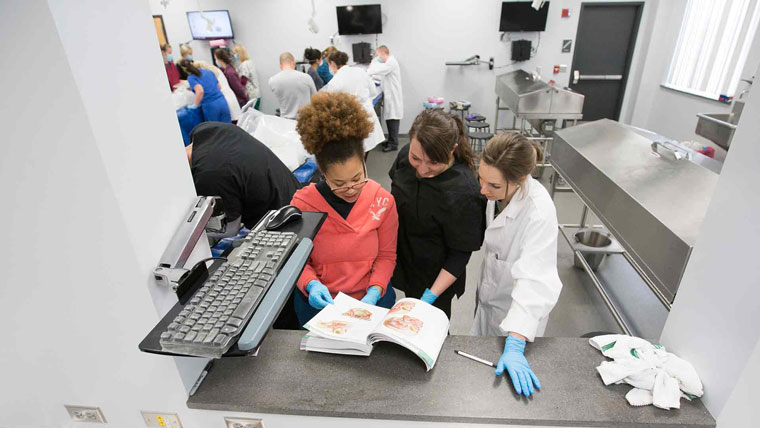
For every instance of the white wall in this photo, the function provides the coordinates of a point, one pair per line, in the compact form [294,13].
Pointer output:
[715,317]
[665,111]
[95,179]
[422,34]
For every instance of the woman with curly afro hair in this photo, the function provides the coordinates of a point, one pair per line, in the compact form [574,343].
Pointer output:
[355,250]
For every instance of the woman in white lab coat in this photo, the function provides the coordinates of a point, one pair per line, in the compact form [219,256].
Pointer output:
[519,284]
[356,82]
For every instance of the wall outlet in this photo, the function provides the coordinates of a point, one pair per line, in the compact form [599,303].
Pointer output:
[85,414]
[243,423]
[161,420]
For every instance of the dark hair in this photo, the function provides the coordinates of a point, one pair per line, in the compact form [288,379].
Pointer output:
[333,127]
[339,58]
[514,155]
[224,55]
[164,47]
[187,68]
[312,55]
[438,133]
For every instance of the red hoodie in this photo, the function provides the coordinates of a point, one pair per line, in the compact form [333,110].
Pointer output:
[352,254]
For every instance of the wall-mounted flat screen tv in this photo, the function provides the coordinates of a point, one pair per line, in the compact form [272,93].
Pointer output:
[364,19]
[210,24]
[520,16]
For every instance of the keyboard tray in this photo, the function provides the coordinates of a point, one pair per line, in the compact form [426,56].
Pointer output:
[306,227]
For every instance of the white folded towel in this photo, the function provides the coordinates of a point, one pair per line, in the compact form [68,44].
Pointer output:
[658,377]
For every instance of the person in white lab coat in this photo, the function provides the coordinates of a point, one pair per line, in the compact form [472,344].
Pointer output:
[519,284]
[356,82]
[386,68]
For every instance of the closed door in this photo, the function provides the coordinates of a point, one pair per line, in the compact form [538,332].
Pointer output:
[603,50]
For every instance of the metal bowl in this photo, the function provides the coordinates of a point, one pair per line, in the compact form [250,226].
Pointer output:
[593,239]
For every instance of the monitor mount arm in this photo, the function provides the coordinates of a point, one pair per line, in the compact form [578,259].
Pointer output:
[171,268]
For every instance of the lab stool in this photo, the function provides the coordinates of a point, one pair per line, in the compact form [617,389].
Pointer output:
[461,112]
[478,127]
[475,118]
[478,140]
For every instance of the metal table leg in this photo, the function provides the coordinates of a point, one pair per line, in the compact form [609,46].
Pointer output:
[599,288]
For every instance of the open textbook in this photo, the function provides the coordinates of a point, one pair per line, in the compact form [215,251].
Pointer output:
[351,327]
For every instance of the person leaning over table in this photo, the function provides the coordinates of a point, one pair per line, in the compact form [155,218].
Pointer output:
[355,250]
[519,284]
[208,93]
[441,212]
[224,86]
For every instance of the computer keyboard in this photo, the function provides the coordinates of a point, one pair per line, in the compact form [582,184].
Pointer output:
[219,310]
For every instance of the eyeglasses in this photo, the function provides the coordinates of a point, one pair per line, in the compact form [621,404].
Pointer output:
[356,186]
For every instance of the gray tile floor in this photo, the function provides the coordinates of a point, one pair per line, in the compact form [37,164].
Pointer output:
[579,309]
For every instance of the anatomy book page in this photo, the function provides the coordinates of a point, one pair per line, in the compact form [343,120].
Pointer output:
[347,319]
[418,326]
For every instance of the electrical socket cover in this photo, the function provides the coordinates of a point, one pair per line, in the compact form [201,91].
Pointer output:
[244,423]
[161,420]
[85,414]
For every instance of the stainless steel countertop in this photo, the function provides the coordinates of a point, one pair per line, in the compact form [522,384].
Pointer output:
[653,205]
[677,192]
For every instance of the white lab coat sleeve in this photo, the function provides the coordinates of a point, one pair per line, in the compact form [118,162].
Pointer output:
[374,91]
[378,68]
[536,282]
[312,87]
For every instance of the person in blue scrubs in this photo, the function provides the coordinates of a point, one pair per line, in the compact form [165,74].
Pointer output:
[324,69]
[208,93]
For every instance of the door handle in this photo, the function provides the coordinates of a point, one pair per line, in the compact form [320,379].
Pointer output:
[578,76]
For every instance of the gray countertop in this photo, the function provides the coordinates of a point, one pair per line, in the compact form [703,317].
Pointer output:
[392,384]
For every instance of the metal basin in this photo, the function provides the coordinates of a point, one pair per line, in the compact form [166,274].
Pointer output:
[719,127]
[592,239]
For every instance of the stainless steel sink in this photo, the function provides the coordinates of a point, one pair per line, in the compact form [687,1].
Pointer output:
[719,127]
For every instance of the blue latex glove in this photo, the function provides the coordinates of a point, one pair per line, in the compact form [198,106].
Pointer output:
[192,106]
[372,296]
[319,295]
[428,296]
[513,360]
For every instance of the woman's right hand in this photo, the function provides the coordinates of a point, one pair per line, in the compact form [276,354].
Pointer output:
[319,295]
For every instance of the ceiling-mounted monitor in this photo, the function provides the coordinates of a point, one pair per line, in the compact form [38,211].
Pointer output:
[210,24]
[364,19]
[520,16]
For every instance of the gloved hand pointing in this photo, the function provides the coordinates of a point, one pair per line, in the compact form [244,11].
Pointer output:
[372,296]
[513,360]
[319,295]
